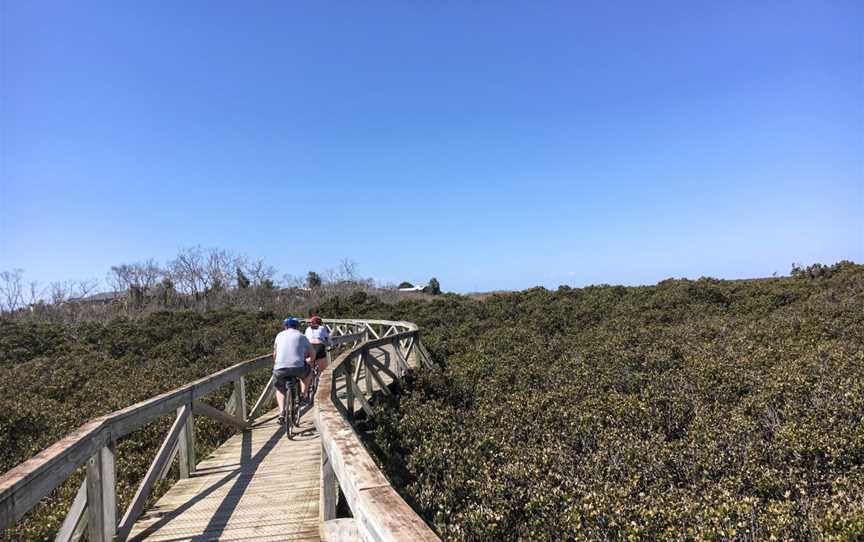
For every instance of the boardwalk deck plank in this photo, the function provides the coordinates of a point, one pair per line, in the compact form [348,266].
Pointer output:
[257,486]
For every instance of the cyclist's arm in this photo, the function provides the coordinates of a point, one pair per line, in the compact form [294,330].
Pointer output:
[310,354]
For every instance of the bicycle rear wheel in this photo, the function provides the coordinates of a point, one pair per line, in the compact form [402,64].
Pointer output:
[313,386]
[289,411]
[296,408]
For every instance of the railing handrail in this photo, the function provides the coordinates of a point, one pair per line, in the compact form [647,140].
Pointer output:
[50,467]
[379,511]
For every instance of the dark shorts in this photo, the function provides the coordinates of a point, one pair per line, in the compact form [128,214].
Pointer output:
[284,374]
[320,350]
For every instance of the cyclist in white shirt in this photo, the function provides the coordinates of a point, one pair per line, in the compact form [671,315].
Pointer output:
[320,338]
[291,350]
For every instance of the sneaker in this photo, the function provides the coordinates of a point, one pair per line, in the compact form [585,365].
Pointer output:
[281,419]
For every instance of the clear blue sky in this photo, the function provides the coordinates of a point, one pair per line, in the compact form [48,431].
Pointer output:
[492,145]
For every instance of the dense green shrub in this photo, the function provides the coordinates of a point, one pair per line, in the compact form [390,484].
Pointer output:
[55,378]
[706,410]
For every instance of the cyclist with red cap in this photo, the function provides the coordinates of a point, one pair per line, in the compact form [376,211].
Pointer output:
[320,338]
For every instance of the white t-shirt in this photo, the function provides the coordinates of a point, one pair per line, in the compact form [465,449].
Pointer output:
[291,347]
[320,335]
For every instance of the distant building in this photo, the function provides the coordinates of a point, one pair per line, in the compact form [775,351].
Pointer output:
[418,288]
[103,298]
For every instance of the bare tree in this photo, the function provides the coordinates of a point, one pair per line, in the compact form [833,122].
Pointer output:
[219,266]
[81,288]
[347,270]
[59,292]
[11,290]
[149,273]
[259,271]
[34,293]
[119,278]
[142,275]
[187,271]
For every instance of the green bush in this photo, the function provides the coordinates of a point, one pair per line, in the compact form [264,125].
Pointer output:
[700,410]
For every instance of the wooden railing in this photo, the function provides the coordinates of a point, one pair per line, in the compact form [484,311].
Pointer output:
[93,446]
[379,513]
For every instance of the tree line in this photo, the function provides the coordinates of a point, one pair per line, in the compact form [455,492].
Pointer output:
[197,278]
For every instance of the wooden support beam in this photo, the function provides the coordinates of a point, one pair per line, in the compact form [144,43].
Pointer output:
[80,531]
[349,389]
[372,331]
[372,366]
[329,495]
[406,357]
[363,357]
[231,403]
[74,516]
[146,486]
[263,398]
[240,397]
[402,366]
[381,367]
[425,357]
[358,368]
[186,445]
[166,468]
[101,496]
[358,393]
[204,409]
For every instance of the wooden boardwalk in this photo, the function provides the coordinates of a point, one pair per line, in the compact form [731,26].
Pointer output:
[257,486]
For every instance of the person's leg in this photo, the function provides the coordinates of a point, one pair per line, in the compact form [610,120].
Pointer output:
[322,364]
[304,383]
[280,400]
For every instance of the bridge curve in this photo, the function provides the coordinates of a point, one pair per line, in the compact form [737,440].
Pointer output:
[235,492]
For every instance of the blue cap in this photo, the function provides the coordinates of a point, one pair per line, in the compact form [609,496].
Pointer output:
[291,322]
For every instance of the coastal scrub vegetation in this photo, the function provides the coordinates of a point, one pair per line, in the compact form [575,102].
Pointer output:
[692,409]
[697,410]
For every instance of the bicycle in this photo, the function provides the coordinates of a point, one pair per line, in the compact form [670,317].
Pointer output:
[291,409]
[313,385]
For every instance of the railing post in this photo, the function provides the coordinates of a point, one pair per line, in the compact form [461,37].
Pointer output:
[240,398]
[329,488]
[186,445]
[347,372]
[363,355]
[411,356]
[101,496]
